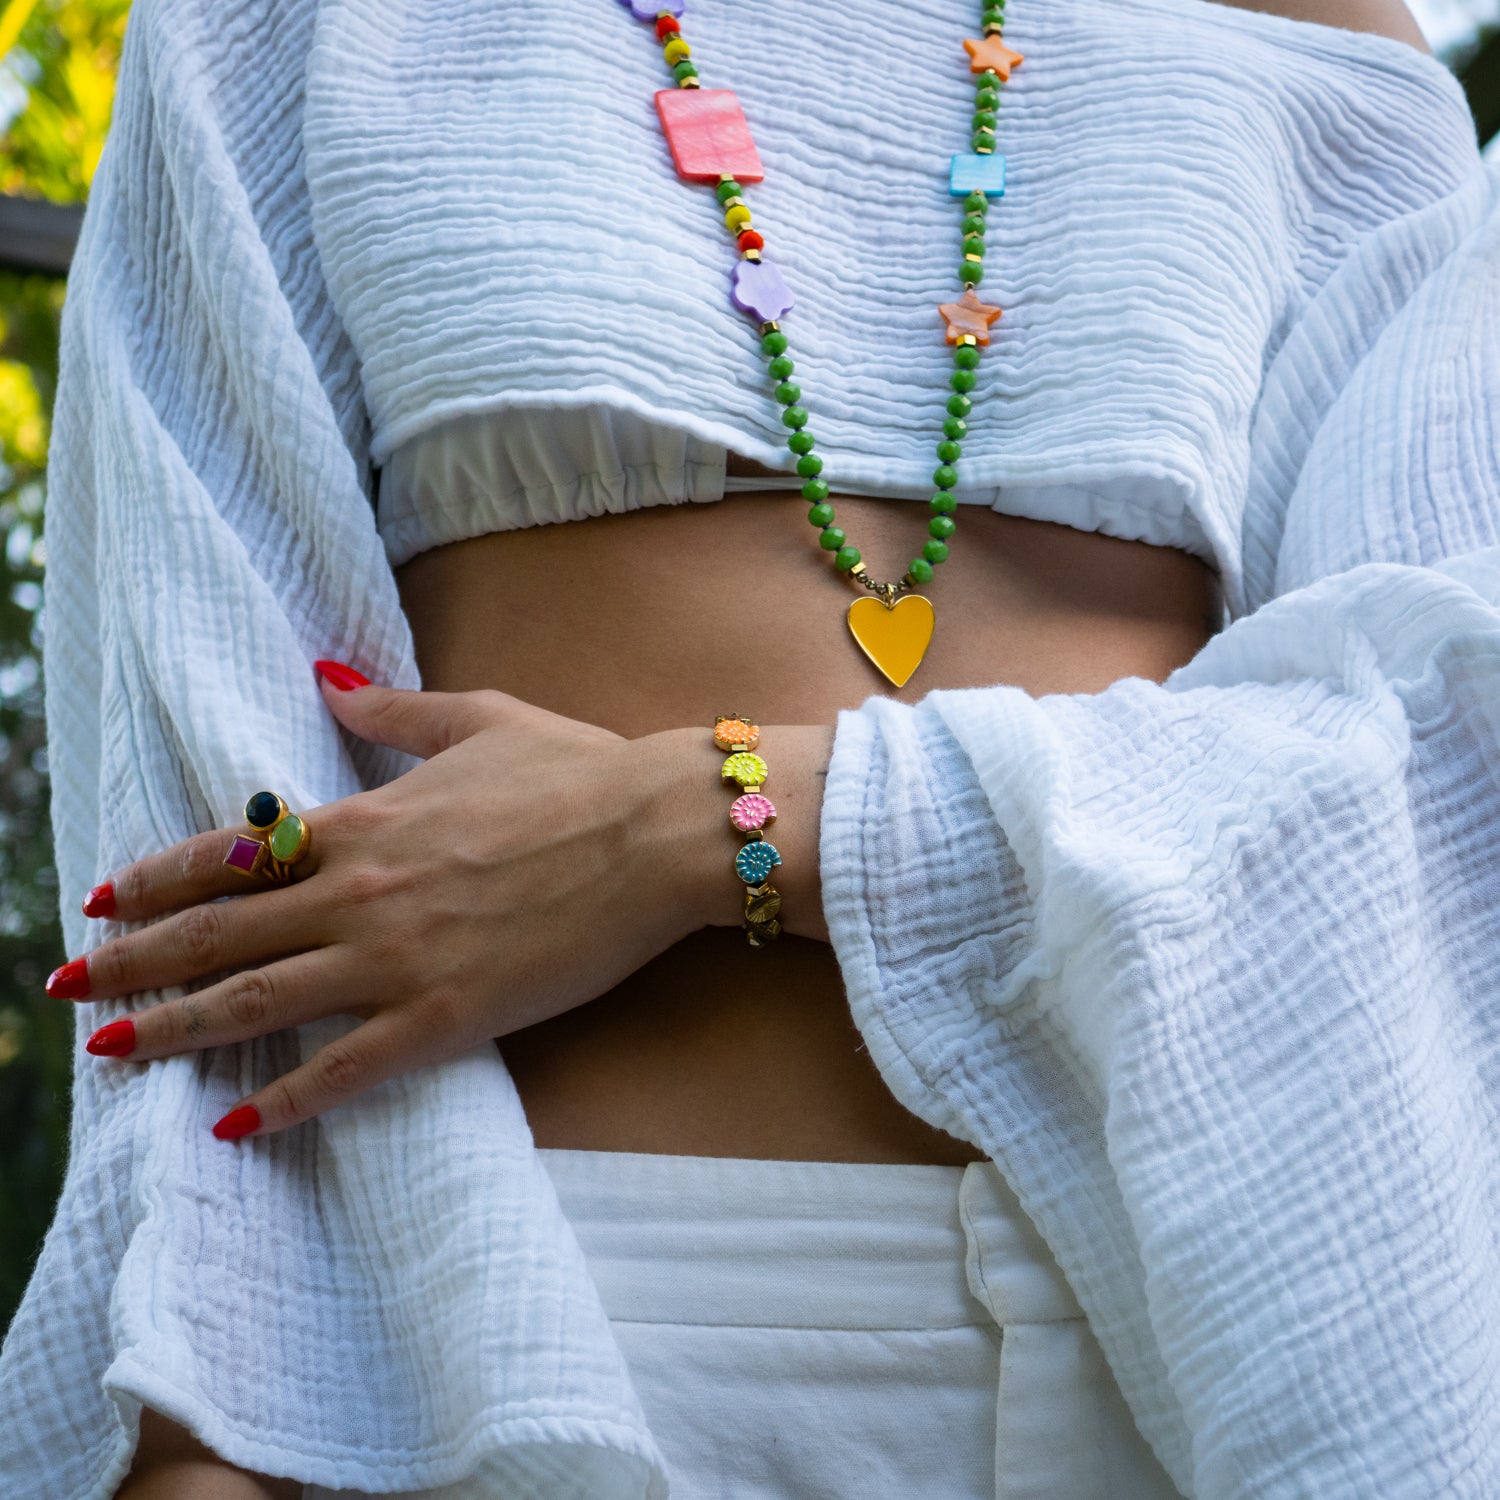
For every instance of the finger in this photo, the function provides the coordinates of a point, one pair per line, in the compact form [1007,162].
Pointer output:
[421,723]
[204,939]
[392,1042]
[249,1004]
[188,872]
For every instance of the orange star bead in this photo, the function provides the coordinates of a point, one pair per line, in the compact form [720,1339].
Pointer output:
[969,315]
[991,53]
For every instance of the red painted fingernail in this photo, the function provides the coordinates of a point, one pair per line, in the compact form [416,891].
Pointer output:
[71,981]
[100,902]
[114,1040]
[238,1122]
[340,676]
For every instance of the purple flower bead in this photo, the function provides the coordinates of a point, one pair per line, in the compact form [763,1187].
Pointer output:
[759,289]
[649,10]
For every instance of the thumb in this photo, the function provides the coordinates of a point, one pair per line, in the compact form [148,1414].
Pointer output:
[421,723]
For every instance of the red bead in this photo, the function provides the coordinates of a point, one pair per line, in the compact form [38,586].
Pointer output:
[708,136]
[665,27]
[749,239]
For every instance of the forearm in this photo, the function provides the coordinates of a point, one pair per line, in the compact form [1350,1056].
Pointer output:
[694,842]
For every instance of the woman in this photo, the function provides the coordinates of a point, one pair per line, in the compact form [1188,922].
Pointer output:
[1150,946]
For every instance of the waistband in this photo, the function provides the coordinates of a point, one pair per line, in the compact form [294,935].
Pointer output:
[741,1241]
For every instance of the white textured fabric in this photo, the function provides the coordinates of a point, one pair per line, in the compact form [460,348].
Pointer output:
[1218,998]
[1182,179]
[844,1331]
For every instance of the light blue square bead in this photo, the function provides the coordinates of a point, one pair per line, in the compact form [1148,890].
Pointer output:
[973,172]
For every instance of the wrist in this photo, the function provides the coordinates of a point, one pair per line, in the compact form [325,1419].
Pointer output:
[691,844]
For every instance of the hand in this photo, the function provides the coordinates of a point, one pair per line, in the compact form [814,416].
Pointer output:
[528,865]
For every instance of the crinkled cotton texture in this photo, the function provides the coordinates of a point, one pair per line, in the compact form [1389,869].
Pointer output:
[1207,967]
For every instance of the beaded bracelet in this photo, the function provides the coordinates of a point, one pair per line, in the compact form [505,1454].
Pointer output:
[750,813]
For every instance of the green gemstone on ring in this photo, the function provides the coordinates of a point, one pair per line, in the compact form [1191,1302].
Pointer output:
[289,839]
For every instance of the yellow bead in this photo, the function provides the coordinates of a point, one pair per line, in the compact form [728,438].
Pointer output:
[738,217]
[676,50]
[747,769]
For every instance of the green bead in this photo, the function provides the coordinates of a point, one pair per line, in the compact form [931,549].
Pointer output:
[974,244]
[788,394]
[973,224]
[942,503]
[949,451]
[728,190]
[815,489]
[845,558]
[935,552]
[987,98]
[809,465]
[781,366]
[963,380]
[821,514]
[984,118]
[971,273]
[795,416]
[801,442]
[966,357]
[976,203]
[980,139]
[684,69]
[774,342]
[945,476]
[832,539]
[942,527]
[920,570]
[959,406]
[992,15]
[955,427]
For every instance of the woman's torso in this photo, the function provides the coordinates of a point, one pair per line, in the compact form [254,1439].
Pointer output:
[662,617]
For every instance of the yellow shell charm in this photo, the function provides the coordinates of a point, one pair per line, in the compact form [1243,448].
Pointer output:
[747,769]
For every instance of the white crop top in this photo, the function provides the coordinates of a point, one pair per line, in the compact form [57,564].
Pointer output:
[1183,177]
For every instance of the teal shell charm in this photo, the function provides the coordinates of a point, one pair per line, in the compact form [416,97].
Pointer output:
[756,861]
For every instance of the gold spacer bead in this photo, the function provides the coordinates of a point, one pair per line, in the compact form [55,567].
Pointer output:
[771,326]
[968,338]
[688,83]
[984,150]
[857,571]
[749,254]
[735,202]
[988,130]
[992,30]
[974,258]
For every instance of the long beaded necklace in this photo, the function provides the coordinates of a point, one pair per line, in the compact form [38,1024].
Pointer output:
[710,142]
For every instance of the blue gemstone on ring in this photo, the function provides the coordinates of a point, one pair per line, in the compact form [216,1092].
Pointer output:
[755,861]
[263,809]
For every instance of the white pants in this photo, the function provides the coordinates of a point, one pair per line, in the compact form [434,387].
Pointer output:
[821,1331]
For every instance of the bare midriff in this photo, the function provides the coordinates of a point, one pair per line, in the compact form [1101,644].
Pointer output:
[664,617]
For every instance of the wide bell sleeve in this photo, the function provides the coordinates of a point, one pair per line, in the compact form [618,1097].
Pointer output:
[1210,966]
[386,1298]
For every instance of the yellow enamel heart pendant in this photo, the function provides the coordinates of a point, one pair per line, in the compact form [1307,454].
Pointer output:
[894,636]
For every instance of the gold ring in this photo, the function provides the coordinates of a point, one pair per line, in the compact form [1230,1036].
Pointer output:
[281,838]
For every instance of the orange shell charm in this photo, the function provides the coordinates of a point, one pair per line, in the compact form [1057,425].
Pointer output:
[731,732]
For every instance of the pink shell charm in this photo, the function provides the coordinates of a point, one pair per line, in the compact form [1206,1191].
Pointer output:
[751,811]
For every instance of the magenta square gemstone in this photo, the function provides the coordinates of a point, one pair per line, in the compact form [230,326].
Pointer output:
[244,853]
[708,134]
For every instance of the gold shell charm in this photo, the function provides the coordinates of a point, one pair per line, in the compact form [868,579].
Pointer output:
[895,637]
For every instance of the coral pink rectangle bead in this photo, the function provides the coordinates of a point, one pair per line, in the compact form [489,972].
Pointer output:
[708,134]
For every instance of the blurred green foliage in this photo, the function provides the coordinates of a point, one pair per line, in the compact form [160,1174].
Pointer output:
[60,61]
